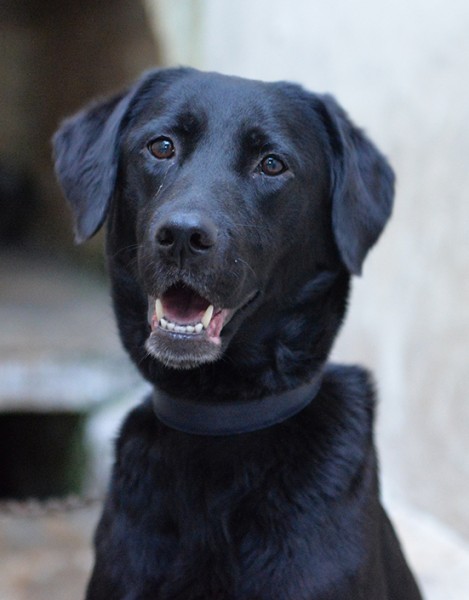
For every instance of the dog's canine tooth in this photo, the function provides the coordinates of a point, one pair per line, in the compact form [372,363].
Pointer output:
[159,309]
[207,316]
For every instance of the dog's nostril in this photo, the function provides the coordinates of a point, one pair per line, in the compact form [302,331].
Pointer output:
[165,237]
[201,240]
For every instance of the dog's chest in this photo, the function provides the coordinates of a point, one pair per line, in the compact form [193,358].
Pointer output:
[260,548]
[227,516]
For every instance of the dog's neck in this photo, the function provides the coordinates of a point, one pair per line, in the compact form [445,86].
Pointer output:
[201,417]
[270,353]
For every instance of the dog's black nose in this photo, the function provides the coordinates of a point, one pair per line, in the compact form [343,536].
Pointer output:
[185,235]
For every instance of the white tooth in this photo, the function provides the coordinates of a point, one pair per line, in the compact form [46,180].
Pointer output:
[159,309]
[207,316]
[179,329]
[198,328]
[171,326]
[190,329]
[164,323]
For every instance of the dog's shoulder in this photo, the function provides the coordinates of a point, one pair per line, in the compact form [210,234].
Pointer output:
[351,386]
[348,402]
[137,432]
[339,425]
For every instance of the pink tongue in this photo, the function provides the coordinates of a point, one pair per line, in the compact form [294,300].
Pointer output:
[183,305]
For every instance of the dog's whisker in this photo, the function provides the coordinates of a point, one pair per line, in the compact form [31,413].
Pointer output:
[161,186]
[244,262]
[129,248]
[251,226]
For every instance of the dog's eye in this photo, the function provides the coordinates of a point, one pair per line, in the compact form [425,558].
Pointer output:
[161,148]
[271,165]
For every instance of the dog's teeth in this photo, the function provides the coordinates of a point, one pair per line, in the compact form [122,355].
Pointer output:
[159,309]
[189,329]
[207,316]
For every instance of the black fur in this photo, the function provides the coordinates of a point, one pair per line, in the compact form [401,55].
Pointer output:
[291,512]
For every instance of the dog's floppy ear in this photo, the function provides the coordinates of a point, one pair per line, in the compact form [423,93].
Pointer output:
[362,186]
[86,152]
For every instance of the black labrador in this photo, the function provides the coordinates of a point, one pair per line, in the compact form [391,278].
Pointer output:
[237,212]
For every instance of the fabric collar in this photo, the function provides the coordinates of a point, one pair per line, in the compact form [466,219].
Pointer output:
[206,418]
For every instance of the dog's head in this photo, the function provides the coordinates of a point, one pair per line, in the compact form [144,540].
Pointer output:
[228,200]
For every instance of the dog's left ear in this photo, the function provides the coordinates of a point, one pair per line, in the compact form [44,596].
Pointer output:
[362,186]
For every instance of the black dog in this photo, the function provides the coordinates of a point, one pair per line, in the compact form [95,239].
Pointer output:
[237,212]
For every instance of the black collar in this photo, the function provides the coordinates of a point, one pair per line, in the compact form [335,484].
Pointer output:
[207,418]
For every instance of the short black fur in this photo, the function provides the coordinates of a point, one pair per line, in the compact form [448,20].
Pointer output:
[291,512]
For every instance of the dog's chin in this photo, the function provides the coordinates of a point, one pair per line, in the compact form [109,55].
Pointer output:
[180,351]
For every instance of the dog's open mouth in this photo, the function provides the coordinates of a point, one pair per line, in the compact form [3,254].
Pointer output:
[186,328]
[181,311]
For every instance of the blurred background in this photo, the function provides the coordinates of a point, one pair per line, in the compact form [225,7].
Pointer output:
[401,70]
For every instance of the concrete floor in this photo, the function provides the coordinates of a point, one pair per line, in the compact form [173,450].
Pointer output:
[46,558]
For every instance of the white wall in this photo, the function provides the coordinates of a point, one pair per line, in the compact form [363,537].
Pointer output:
[401,69]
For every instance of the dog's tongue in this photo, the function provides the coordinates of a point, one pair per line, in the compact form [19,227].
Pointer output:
[183,305]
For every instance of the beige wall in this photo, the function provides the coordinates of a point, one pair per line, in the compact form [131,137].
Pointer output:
[401,69]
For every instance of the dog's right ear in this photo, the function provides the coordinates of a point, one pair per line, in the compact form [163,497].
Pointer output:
[86,156]
[85,152]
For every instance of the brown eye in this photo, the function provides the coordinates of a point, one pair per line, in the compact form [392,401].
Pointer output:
[162,148]
[271,165]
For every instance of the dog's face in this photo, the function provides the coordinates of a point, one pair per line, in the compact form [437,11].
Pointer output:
[226,198]
[225,191]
